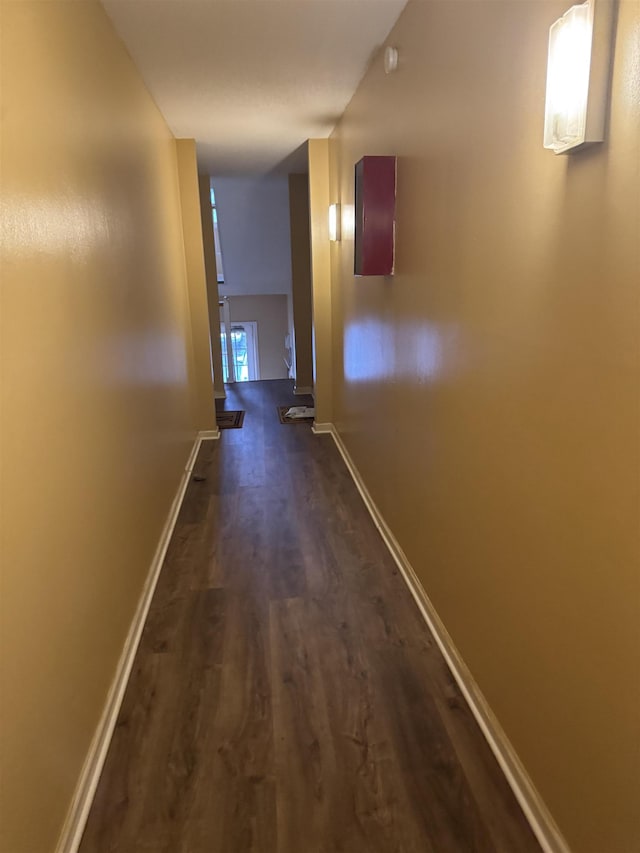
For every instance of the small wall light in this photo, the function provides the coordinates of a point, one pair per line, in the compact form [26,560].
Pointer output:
[334,222]
[390,59]
[578,76]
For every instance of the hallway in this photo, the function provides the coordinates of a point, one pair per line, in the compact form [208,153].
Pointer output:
[287,695]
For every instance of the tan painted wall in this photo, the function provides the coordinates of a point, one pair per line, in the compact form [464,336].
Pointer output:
[489,392]
[301,277]
[96,410]
[270,313]
[204,414]
[321,279]
[213,296]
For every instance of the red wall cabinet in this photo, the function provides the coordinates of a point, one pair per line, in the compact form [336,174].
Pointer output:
[375,216]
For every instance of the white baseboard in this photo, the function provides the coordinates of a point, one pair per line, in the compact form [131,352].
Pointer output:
[209,434]
[303,389]
[76,820]
[538,815]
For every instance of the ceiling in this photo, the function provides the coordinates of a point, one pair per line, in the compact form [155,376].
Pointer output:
[252,80]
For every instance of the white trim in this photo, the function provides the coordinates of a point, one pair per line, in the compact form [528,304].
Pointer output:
[538,815]
[188,468]
[209,434]
[220,395]
[78,813]
[303,389]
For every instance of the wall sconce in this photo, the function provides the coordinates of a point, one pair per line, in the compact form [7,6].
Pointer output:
[334,223]
[390,59]
[578,76]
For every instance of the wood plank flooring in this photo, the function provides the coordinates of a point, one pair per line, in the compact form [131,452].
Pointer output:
[287,696]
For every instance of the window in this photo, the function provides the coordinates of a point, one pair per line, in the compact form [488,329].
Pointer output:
[216,238]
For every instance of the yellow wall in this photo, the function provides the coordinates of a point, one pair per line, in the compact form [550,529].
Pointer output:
[96,409]
[321,279]
[202,386]
[213,295]
[489,392]
[301,278]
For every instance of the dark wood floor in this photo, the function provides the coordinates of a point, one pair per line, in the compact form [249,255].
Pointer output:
[287,696]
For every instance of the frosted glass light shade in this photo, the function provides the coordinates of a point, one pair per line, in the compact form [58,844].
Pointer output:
[578,76]
[334,222]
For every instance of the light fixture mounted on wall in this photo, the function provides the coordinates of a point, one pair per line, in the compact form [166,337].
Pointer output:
[390,59]
[578,71]
[334,223]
